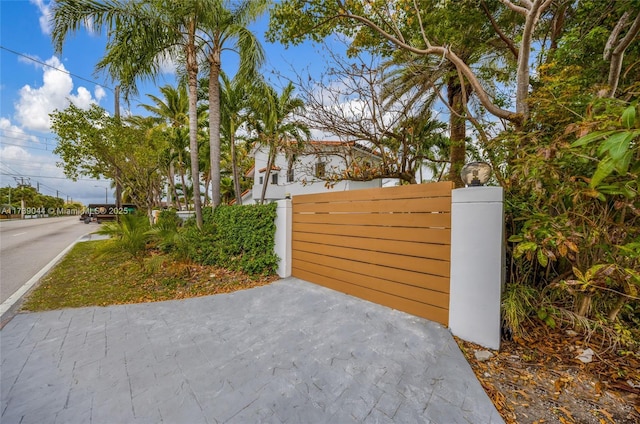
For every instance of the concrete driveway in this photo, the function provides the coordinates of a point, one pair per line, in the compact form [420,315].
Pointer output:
[289,352]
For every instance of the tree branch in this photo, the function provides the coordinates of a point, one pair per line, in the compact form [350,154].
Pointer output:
[613,37]
[510,45]
[518,9]
[517,118]
[631,35]
[616,57]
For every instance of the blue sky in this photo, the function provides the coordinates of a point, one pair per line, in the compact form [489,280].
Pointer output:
[30,89]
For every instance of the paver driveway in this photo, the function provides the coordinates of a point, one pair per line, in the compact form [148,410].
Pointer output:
[288,352]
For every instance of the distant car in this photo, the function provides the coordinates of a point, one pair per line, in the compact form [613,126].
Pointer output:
[105,212]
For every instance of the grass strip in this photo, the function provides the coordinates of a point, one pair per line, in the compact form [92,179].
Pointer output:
[88,277]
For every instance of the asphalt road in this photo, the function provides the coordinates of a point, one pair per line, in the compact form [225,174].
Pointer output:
[26,246]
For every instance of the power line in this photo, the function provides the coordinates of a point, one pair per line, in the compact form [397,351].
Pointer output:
[39,147]
[9,168]
[31,180]
[21,135]
[44,176]
[53,67]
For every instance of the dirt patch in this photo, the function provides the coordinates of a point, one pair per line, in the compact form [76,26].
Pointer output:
[540,380]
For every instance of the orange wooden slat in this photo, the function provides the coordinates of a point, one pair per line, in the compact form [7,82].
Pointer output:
[420,220]
[407,248]
[436,204]
[423,280]
[401,192]
[387,245]
[430,297]
[431,266]
[421,235]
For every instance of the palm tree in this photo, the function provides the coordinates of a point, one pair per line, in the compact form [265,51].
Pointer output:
[226,29]
[142,34]
[233,100]
[172,112]
[422,79]
[227,190]
[274,123]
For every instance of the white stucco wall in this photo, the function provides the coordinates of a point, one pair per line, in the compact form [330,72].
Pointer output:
[305,181]
[477,264]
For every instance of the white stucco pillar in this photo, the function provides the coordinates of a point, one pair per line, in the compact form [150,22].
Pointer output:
[282,246]
[477,264]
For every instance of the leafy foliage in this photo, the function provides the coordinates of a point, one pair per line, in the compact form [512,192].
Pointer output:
[237,238]
[166,234]
[129,234]
[575,223]
[91,143]
[618,152]
[11,201]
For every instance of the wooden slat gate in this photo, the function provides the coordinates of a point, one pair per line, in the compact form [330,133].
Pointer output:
[387,245]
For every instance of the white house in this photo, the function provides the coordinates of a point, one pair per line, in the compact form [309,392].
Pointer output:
[306,171]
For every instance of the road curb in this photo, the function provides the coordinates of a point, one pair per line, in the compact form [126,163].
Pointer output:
[12,304]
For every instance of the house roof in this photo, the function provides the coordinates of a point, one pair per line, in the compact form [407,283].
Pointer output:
[320,145]
[244,193]
[329,144]
[273,168]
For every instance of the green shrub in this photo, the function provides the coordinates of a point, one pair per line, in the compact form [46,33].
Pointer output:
[237,238]
[130,234]
[574,226]
[165,232]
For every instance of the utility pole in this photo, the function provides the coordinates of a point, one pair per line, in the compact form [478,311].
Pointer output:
[21,185]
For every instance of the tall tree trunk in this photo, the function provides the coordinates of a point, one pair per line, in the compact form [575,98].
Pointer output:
[531,10]
[234,168]
[192,75]
[614,51]
[458,135]
[207,181]
[173,198]
[184,189]
[267,173]
[214,125]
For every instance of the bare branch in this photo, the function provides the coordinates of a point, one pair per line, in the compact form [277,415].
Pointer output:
[518,9]
[510,45]
[613,37]
[631,35]
[424,35]
[616,56]
[516,118]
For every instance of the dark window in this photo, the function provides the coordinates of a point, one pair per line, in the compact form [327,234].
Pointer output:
[261,180]
[290,175]
[274,178]
[320,171]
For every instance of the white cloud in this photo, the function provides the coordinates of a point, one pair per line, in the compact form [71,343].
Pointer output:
[166,64]
[35,104]
[83,99]
[13,134]
[45,15]
[99,93]
[11,160]
[12,153]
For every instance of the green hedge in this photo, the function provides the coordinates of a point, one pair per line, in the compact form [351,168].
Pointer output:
[237,238]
